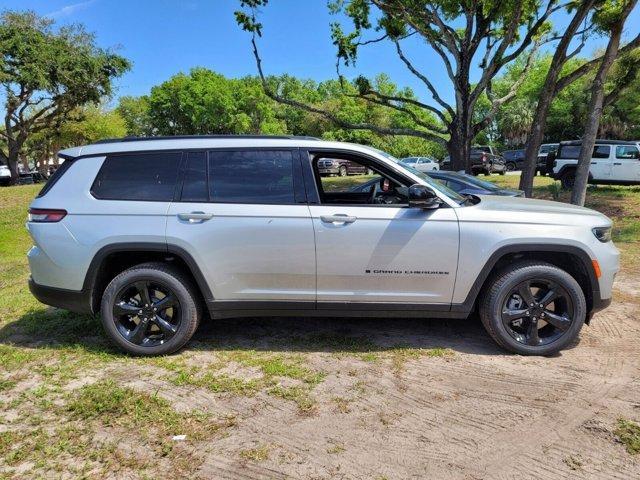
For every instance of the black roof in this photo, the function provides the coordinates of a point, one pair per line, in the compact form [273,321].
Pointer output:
[600,142]
[195,137]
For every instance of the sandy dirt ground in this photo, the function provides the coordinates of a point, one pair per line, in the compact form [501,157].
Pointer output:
[472,414]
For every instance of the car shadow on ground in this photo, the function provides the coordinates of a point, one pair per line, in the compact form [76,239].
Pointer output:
[53,328]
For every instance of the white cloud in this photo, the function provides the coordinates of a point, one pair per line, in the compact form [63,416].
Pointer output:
[68,10]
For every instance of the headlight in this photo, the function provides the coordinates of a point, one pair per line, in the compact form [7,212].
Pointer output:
[602,233]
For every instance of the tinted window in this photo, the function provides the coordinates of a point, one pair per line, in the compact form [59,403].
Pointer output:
[627,152]
[601,151]
[251,176]
[151,176]
[195,188]
[569,151]
[55,176]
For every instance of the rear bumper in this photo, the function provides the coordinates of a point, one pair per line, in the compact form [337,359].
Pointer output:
[77,301]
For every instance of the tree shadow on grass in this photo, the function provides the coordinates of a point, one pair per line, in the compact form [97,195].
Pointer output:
[53,328]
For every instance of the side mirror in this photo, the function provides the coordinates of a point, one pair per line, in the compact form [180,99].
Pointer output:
[421,196]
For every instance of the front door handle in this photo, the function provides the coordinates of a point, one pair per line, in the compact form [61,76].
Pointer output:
[195,217]
[338,218]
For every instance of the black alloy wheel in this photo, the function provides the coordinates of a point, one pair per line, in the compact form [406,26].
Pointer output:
[147,313]
[537,312]
[151,309]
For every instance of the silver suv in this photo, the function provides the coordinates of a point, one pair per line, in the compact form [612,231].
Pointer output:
[151,233]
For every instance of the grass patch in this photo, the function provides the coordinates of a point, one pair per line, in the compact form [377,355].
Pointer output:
[628,433]
[218,383]
[299,395]
[113,405]
[258,454]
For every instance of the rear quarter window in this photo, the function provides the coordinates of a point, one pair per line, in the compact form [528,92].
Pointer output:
[139,176]
[55,176]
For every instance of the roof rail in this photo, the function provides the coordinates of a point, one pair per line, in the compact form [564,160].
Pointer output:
[196,137]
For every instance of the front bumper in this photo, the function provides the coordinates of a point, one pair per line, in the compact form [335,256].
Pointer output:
[329,171]
[73,300]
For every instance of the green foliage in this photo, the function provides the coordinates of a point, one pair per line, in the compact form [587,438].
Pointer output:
[566,117]
[205,102]
[64,67]
[47,75]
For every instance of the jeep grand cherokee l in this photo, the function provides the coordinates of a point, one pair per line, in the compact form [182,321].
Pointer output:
[151,233]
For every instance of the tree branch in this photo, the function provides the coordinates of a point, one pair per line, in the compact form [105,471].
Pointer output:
[338,121]
[586,67]
[425,80]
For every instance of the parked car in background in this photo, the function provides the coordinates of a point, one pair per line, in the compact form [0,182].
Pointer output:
[341,167]
[614,162]
[150,232]
[5,175]
[26,177]
[513,159]
[469,185]
[486,159]
[546,152]
[422,164]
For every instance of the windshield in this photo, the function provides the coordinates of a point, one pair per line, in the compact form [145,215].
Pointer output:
[481,183]
[441,187]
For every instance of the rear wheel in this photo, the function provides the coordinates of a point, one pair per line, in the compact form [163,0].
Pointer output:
[150,309]
[533,308]
[510,166]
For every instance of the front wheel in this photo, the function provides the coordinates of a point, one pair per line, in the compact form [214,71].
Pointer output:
[342,171]
[150,309]
[533,308]
[568,179]
[511,167]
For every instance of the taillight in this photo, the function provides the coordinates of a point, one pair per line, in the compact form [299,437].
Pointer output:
[484,158]
[46,215]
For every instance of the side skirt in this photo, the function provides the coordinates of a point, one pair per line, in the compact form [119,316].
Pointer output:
[232,309]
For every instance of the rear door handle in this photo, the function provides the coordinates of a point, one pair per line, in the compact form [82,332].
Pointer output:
[195,217]
[338,218]
[617,163]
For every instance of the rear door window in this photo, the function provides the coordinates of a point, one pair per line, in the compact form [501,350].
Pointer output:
[251,176]
[138,176]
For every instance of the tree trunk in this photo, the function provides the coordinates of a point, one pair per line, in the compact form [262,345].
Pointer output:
[459,146]
[12,162]
[579,192]
[536,133]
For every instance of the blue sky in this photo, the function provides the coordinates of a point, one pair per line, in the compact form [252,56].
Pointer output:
[163,37]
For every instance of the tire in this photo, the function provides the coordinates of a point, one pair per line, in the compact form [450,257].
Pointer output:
[487,172]
[342,171]
[178,328]
[502,172]
[510,166]
[500,292]
[369,172]
[567,179]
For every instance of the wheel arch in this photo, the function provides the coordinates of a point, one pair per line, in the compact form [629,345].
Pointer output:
[115,258]
[572,259]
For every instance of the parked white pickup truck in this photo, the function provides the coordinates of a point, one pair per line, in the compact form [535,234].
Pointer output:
[612,162]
